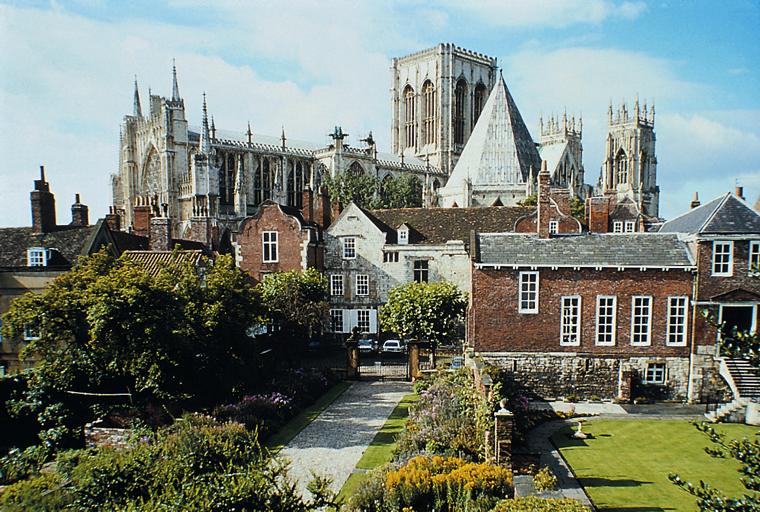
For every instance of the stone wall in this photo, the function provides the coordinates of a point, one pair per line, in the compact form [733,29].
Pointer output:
[96,437]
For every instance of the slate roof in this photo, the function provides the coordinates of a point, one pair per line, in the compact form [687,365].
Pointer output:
[500,150]
[725,215]
[69,242]
[155,261]
[633,250]
[439,225]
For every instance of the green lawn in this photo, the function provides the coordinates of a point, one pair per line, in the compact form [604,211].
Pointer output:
[381,448]
[624,466]
[297,424]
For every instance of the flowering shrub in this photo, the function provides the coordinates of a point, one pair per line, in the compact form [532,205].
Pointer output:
[533,504]
[428,483]
[544,479]
[287,394]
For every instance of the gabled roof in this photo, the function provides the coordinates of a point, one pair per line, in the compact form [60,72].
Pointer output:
[724,215]
[69,243]
[500,150]
[439,225]
[633,250]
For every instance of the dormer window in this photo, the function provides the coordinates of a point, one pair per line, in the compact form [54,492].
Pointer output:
[37,257]
[403,235]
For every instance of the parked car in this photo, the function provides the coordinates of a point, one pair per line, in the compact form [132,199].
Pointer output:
[394,346]
[366,345]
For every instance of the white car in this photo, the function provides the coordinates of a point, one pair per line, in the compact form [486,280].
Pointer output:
[394,346]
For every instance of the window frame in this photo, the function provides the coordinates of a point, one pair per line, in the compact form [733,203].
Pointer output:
[574,323]
[684,321]
[37,257]
[361,286]
[390,257]
[612,324]
[729,264]
[337,282]
[403,237]
[648,341]
[334,315]
[30,333]
[656,368]
[753,253]
[617,226]
[369,320]
[269,246]
[345,241]
[520,291]
[629,224]
[553,227]
[421,271]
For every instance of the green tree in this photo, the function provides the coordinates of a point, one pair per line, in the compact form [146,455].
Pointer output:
[108,332]
[578,208]
[404,191]
[362,189]
[431,311]
[295,301]
[531,200]
[747,452]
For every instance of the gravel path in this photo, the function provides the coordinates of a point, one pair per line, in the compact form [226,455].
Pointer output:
[334,442]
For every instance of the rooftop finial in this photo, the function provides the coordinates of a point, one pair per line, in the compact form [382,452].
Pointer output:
[42,173]
[205,137]
[136,108]
[283,137]
[249,133]
[175,87]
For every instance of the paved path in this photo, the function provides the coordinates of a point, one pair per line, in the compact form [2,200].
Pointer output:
[333,443]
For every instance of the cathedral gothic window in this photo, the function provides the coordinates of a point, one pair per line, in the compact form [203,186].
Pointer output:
[428,113]
[460,99]
[356,169]
[621,167]
[266,181]
[479,102]
[296,184]
[409,117]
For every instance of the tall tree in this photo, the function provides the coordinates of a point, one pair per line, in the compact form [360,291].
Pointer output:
[431,311]
[359,187]
[404,191]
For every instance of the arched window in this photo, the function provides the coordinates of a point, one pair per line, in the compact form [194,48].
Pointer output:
[460,100]
[479,102]
[428,113]
[621,167]
[257,192]
[296,185]
[356,169]
[319,172]
[409,117]
[266,181]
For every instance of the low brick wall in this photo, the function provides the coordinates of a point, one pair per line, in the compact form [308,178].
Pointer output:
[96,437]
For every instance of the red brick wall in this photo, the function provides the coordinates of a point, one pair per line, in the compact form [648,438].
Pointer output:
[710,286]
[496,325]
[598,214]
[290,238]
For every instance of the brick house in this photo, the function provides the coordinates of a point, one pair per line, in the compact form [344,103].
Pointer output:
[281,238]
[724,236]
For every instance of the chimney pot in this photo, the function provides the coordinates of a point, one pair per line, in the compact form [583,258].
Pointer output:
[740,192]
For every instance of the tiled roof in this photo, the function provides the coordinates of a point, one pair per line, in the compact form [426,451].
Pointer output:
[725,215]
[155,261]
[634,250]
[438,225]
[69,242]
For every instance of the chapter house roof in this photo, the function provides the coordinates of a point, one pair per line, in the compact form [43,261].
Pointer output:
[439,225]
[634,250]
[500,150]
[725,215]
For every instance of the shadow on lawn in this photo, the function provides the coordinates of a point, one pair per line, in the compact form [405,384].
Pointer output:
[635,509]
[610,482]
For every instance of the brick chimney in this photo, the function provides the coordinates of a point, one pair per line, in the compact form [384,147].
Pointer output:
[141,223]
[43,205]
[160,234]
[739,192]
[335,208]
[598,215]
[113,220]
[307,200]
[80,214]
[695,202]
[322,211]
[543,201]
[201,230]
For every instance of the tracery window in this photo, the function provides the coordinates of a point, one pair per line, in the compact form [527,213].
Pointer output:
[356,169]
[460,100]
[266,180]
[296,184]
[428,113]
[409,117]
[479,102]
[621,167]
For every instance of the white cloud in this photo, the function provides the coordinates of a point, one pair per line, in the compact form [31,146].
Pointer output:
[548,13]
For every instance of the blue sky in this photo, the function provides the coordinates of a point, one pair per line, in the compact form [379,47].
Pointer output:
[68,67]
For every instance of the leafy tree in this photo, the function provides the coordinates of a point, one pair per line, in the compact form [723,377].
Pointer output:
[531,200]
[358,187]
[108,328]
[296,301]
[747,452]
[404,191]
[432,311]
[578,209]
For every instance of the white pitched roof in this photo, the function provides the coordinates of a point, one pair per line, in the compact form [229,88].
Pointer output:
[500,150]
